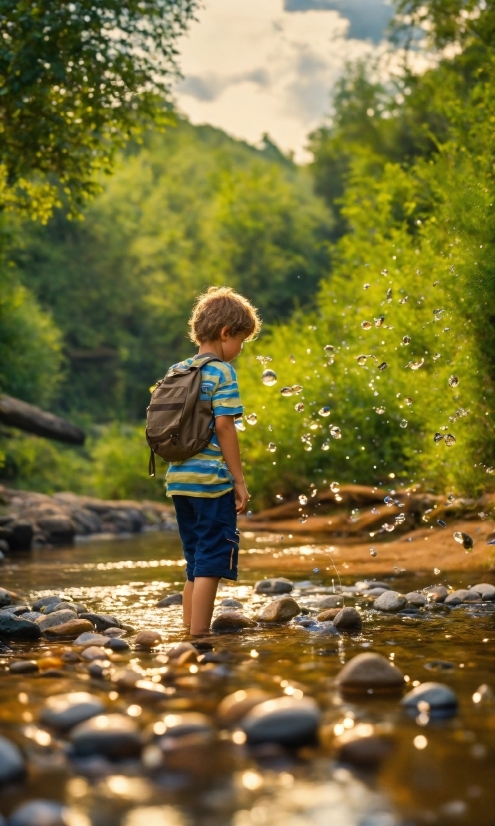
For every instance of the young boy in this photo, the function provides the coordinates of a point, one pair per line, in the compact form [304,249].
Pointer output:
[208,490]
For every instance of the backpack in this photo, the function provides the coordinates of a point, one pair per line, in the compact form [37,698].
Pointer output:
[178,424]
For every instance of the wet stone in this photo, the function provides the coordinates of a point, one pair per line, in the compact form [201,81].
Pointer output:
[23,667]
[278,585]
[55,618]
[390,602]
[93,652]
[88,638]
[435,698]
[280,610]
[365,752]
[18,628]
[148,639]
[59,606]
[171,599]
[332,601]
[182,725]
[17,610]
[369,671]
[115,632]
[327,629]
[416,599]
[285,721]
[39,813]
[100,621]
[117,645]
[348,620]
[176,652]
[375,592]
[461,596]
[235,706]
[11,761]
[32,615]
[436,593]
[486,590]
[328,615]
[63,711]
[439,665]
[48,600]
[69,629]
[5,598]
[367,584]
[111,735]
[231,603]
[231,621]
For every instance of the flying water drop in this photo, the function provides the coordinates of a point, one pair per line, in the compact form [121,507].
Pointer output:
[406,339]
[324,411]
[383,365]
[287,391]
[263,359]
[325,445]
[335,487]
[372,552]
[303,499]
[272,447]
[299,407]
[415,365]
[441,523]
[269,378]
[408,401]
[251,418]
[436,356]
[380,410]
[366,325]
[453,381]
[384,272]
[296,389]
[464,539]
[239,425]
[403,300]
[335,432]
[379,321]
[292,359]
[361,360]
[437,437]
[329,348]
[366,286]
[388,295]
[449,440]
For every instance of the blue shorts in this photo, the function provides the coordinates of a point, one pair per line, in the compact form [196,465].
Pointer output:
[209,535]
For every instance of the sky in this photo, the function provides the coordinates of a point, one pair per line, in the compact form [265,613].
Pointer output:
[268,66]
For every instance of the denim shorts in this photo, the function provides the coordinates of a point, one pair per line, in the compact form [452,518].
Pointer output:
[209,535]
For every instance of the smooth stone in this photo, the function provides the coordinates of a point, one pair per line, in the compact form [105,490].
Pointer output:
[440,700]
[365,752]
[231,621]
[111,735]
[39,813]
[118,645]
[328,614]
[366,584]
[439,665]
[17,610]
[307,622]
[18,628]
[348,619]
[148,639]
[221,656]
[182,725]
[369,671]
[5,597]
[69,629]
[44,601]
[63,711]
[115,632]
[285,721]
[436,593]
[327,629]
[88,638]
[461,596]
[235,706]
[390,602]
[277,585]
[59,606]
[94,652]
[416,599]
[231,603]
[486,590]
[11,761]
[280,610]
[56,618]
[373,593]
[178,650]
[32,615]
[100,621]
[332,601]
[23,667]
[172,599]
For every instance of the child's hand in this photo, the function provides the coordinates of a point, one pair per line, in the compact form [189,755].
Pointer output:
[241,497]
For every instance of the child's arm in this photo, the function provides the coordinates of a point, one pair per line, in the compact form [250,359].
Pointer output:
[229,445]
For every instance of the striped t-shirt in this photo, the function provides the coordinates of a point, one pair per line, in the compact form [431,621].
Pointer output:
[206,473]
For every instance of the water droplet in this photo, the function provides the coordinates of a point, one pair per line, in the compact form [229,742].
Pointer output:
[380,410]
[388,295]
[287,391]
[445,329]
[404,423]
[400,518]
[329,348]
[366,286]
[299,407]
[437,437]
[384,272]
[335,487]
[491,541]
[436,571]
[251,418]
[239,424]
[436,356]
[272,447]
[361,360]
[406,339]
[330,361]
[269,378]
[403,300]
[292,359]
[296,389]
[383,365]
[441,523]
[314,426]
[379,321]
[366,325]
[387,527]
[453,381]
[249,514]
[418,272]
[324,411]
[449,439]
[316,570]
[303,499]
[415,365]
[335,432]
[436,283]
[263,359]
[490,469]
[464,539]
[408,401]
[438,313]
[325,446]
[372,552]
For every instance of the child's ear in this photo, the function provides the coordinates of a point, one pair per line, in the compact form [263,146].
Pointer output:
[225,333]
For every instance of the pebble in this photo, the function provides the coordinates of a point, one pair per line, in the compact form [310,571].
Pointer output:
[372,583]
[43,601]
[182,725]
[328,614]
[100,621]
[18,628]
[439,699]
[171,599]
[118,645]
[56,618]
[32,615]
[439,665]
[231,603]
[5,598]
[369,671]
[17,610]
[39,813]
[280,610]
[462,595]
[177,651]
[112,735]
[486,590]
[348,619]
[69,629]
[93,652]
[278,585]
[23,666]
[365,752]
[327,629]
[390,602]
[436,593]
[64,711]
[332,601]
[115,632]
[286,721]
[231,621]
[148,639]
[59,606]
[88,638]
[416,599]
[11,761]
[235,706]
[375,592]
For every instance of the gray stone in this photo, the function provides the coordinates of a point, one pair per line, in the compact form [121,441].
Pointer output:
[58,527]
[63,711]
[17,610]
[93,652]
[181,725]
[118,645]
[11,761]
[416,599]
[18,628]
[369,671]
[436,593]
[115,632]
[332,601]
[5,598]
[231,621]
[32,615]
[390,602]
[231,603]
[364,752]
[486,590]
[23,667]
[88,638]
[236,706]
[43,601]
[327,629]
[101,621]
[348,620]
[285,720]
[111,735]
[20,535]
[462,595]
[39,813]
[375,592]
[56,618]
[280,610]
[435,698]
[277,585]
[367,584]
[59,606]
[171,599]
[2,559]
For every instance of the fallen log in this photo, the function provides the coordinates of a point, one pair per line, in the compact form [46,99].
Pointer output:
[28,417]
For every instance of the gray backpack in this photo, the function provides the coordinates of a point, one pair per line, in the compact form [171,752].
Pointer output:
[178,424]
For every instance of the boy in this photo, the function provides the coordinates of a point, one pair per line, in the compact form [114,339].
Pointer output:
[208,491]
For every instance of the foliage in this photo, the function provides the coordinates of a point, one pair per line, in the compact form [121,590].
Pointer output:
[76,80]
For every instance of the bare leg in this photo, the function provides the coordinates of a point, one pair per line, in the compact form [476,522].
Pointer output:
[187,596]
[203,600]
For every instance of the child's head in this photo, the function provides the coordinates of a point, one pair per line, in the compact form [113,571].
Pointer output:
[221,310]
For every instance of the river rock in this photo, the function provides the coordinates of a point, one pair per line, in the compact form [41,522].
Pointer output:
[11,761]
[93,652]
[367,584]
[18,628]
[436,593]
[48,600]
[148,639]
[348,619]
[436,698]
[462,595]
[59,606]
[328,615]
[486,591]
[331,601]
[280,610]
[235,706]
[327,629]
[277,585]
[115,632]
[89,638]
[55,618]
[364,752]
[4,547]
[172,599]
[59,529]
[5,598]
[63,711]
[101,621]
[373,593]
[117,645]
[111,735]
[390,602]
[231,621]
[39,813]
[285,720]
[23,667]
[369,671]
[32,615]
[20,535]
[416,599]
[69,629]
[231,603]
[182,725]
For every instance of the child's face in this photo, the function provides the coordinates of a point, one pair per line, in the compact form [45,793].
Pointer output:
[232,345]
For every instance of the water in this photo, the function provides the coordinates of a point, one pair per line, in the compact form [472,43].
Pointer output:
[437,772]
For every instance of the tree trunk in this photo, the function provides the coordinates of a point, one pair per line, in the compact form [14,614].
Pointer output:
[27,417]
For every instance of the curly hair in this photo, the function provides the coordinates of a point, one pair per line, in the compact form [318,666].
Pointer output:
[221,307]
